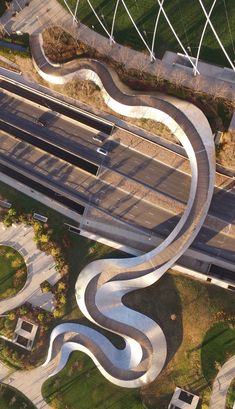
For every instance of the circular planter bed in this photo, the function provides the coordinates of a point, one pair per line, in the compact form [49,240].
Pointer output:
[13,272]
[11,397]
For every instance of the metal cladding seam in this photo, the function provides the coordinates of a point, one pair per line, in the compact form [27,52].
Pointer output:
[101,285]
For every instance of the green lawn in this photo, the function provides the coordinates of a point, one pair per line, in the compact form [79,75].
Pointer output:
[231,396]
[80,386]
[186,17]
[12,398]
[218,345]
[13,272]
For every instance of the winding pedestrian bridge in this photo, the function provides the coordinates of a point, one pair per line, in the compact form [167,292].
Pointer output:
[101,285]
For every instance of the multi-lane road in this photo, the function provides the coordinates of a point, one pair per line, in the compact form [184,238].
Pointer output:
[45,141]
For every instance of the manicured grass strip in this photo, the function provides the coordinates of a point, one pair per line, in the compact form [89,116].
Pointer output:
[80,386]
[218,345]
[12,398]
[13,272]
[231,396]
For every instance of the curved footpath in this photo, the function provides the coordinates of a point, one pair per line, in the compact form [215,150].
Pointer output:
[40,267]
[102,284]
[221,384]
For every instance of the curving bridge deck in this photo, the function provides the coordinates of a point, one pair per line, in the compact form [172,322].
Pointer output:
[102,284]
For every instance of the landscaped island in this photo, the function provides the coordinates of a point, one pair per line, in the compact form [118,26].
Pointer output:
[13,272]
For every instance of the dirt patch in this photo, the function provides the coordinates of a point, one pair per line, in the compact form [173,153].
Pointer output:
[226,150]
[60,47]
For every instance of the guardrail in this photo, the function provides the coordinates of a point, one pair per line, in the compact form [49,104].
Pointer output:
[49,147]
[35,183]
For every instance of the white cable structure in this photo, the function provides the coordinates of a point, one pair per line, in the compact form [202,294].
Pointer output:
[138,31]
[216,36]
[114,18]
[177,38]
[103,26]
[203,33]
[194,63]
[75,12]
[155,28]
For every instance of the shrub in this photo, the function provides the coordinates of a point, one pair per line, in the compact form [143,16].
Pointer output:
[7,221]
[23,310]
[55,252]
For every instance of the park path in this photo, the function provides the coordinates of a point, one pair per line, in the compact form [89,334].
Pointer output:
[221,384]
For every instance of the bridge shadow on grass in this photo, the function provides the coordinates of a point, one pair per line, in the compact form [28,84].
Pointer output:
[161,302]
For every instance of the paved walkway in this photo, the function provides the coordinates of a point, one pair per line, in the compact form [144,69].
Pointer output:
[40,267]
[221,384]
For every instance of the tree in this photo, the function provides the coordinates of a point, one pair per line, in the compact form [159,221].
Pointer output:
[62,299]
[45,286]
[41,317]
[37,227]
[61,286]
[44,238]
[12,316]
[12,212]
[57,313]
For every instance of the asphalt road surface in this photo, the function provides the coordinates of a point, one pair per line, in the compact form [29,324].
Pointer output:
[78,139]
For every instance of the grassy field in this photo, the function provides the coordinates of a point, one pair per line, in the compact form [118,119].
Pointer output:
[188,312]
[13,272]
[80,386]
[12,398]
[218,345]
[186,17]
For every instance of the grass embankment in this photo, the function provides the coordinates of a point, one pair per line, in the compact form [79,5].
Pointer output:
[187,20]
[12,398]
[13,272]
[231,396]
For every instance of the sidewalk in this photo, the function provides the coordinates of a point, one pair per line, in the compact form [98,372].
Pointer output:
[221,384]
[40,267]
